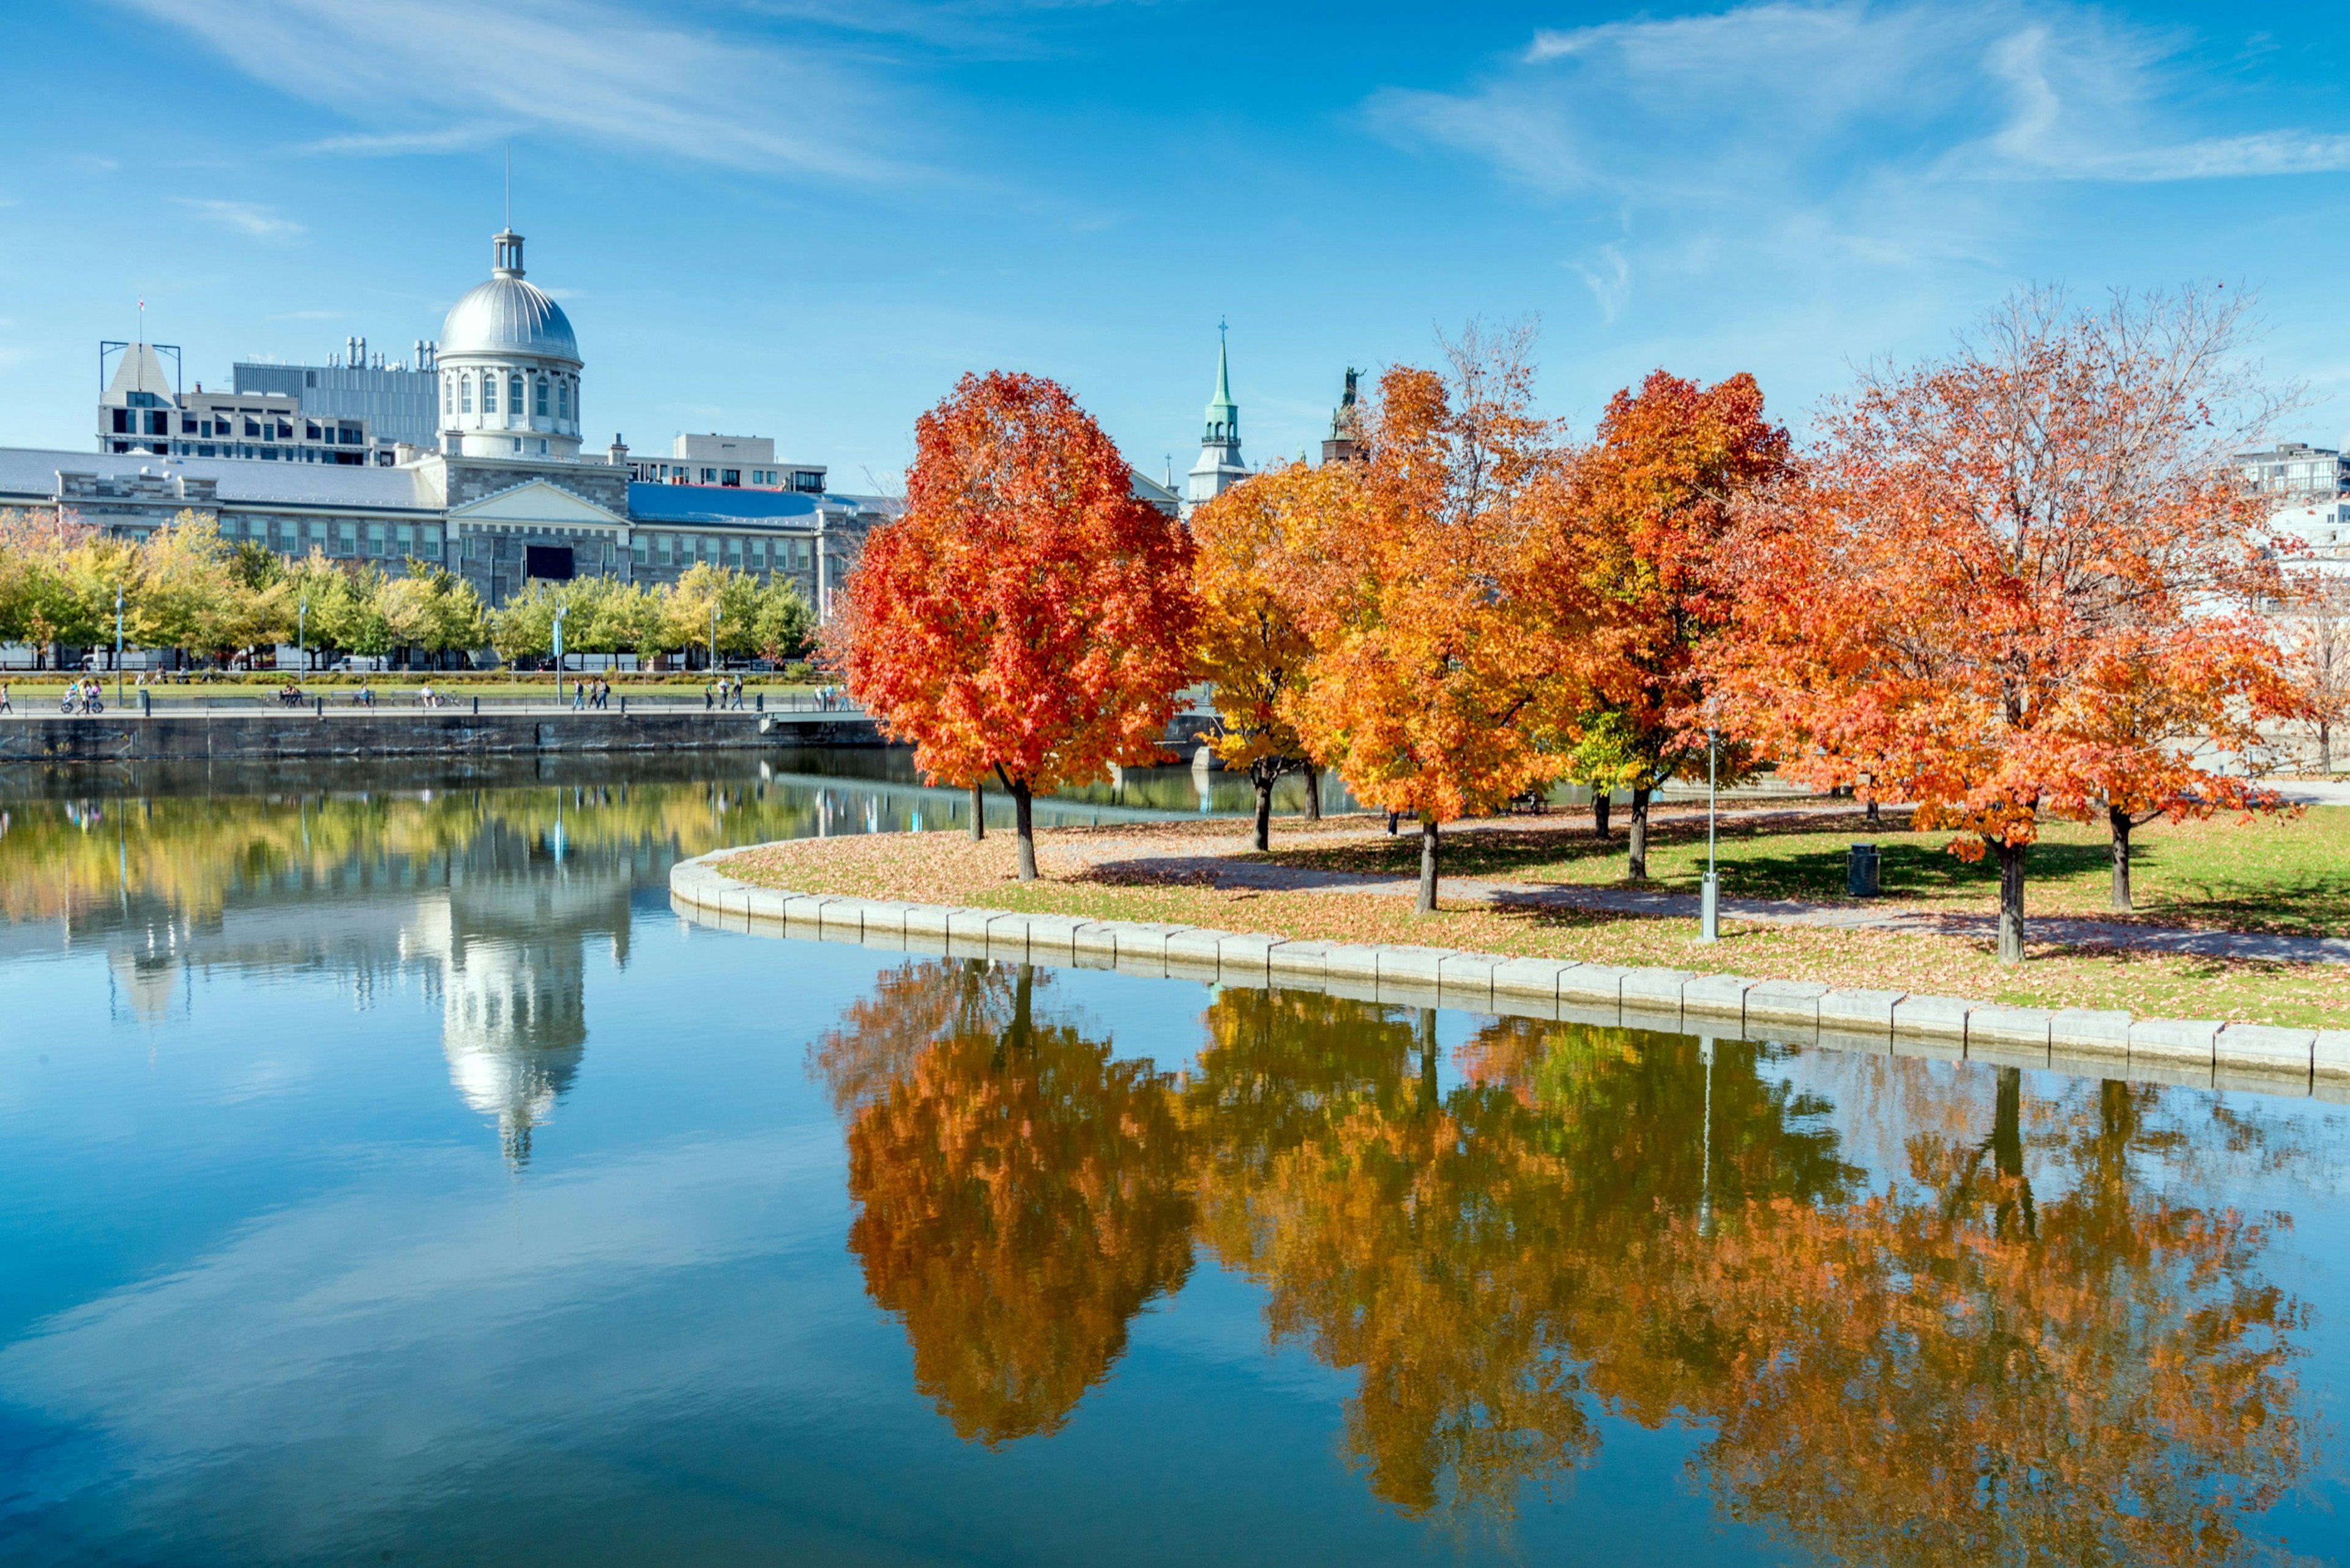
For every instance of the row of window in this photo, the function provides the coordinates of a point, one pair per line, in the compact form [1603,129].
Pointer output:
[457,394]
[264,453]
[399,541]
[787,554]
[337,536]
[806,481]
[127,421]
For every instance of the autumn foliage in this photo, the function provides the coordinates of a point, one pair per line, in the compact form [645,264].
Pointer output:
[2014,1333]
[2016,585]
[1254,549]
[1026,619]
[1443,633]
[1647,505]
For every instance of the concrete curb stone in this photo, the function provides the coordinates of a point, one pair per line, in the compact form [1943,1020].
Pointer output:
[2174,1041]
[1784,1001]
[1943,1017]
[2198,1053]
[1716,996]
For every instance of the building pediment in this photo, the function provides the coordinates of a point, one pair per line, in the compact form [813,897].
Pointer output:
[534,501]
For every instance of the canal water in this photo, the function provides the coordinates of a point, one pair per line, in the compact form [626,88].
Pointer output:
[388,1175]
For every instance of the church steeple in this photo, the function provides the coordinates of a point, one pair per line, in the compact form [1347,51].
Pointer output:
[1223,414]
[1220,466]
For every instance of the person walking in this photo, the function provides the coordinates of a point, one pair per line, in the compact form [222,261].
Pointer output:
[738,693]
[579,696]
[6,706]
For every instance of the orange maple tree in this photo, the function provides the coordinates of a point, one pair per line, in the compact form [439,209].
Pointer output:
[1027,618]
[1647,504]
[1443,637]
[2016,585]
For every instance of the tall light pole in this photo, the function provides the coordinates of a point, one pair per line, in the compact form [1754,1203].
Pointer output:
[560,611]
[1709,918]
[713,635]
[117,645]
[301,634]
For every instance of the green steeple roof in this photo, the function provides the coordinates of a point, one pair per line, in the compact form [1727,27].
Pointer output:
[1223,414]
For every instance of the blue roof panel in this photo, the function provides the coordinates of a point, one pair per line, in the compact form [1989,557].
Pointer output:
[714,503]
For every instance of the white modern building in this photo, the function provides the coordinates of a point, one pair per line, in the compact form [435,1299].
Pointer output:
[733,462]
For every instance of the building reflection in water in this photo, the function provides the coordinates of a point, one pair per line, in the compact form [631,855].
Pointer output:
[485,889]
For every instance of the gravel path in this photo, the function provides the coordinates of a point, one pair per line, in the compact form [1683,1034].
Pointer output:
[1217,863]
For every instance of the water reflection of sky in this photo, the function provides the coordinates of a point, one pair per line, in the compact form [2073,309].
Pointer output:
[386,1175]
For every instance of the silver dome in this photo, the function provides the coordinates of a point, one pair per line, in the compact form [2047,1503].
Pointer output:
[508,315]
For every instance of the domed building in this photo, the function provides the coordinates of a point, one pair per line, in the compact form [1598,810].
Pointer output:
[509,369]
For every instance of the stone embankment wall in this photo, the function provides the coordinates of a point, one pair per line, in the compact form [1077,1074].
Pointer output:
[302,732]
[2203,1053]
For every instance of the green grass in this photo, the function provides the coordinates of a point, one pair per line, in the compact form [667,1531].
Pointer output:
[2286,875]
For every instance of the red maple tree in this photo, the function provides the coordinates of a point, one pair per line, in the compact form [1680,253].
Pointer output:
[1648,503]
[1027,618]
[2018,584]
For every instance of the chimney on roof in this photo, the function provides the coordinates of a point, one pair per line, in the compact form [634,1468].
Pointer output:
[618,453]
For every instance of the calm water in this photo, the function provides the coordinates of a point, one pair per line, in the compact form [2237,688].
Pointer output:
[388,1175]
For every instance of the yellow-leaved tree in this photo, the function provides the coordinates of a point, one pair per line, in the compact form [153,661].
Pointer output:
[1252,645]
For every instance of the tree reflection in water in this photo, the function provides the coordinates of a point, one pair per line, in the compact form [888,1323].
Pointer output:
[1021,1194]
[2023,1345]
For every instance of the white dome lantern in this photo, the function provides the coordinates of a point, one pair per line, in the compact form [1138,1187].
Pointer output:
[509,369]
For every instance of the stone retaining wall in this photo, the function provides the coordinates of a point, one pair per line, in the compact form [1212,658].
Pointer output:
[2200,1053]
[343,733]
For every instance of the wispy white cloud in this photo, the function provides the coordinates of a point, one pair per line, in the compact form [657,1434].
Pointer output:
[1815,142]
[1693,106]
[403,70]
[309,316]
[248,218]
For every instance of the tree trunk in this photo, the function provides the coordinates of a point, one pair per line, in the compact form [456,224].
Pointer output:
[1639,834]
[1427,905]
[1602,803]
[1265,811]
[1024,825]
[2325,748]
[2011,902]
[2119,822]
[978,816]
[1313,793]
[1427,1085]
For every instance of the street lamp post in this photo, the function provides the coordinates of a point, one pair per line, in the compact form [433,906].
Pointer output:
[1709,921]
[713,636]
[301,634]
[117,645]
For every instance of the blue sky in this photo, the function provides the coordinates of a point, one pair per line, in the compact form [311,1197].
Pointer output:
[804,218]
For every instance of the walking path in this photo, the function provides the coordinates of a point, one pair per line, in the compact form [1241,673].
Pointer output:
[1221,863]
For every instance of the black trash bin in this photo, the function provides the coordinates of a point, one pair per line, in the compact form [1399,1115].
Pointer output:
[1860,871]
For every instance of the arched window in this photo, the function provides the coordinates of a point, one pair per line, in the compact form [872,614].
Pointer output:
[538,397]
[465,394]
[489,393]
[563,399]
[514,395]
[448,394]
